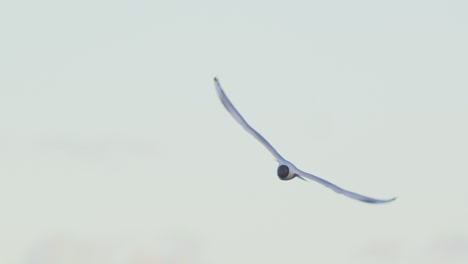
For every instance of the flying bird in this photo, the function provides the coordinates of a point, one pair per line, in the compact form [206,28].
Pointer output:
[286,170]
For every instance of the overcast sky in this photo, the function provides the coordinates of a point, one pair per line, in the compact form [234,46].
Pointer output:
[112,138]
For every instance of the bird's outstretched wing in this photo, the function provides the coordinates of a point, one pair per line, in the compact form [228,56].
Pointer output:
[300,174]
[340,190]
[232,110]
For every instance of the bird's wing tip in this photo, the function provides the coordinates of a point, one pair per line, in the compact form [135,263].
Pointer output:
[388,200]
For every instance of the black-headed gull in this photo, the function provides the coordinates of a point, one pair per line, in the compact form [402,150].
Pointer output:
[287,170]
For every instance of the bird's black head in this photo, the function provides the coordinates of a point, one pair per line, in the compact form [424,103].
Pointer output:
[283,172]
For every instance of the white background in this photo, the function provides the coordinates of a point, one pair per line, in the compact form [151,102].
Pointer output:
[114,147]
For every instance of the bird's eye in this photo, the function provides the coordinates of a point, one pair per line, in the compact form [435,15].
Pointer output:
[283,172]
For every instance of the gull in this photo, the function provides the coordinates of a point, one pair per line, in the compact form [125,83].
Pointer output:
[286,170]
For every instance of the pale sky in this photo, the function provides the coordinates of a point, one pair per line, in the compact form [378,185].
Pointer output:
[113,140]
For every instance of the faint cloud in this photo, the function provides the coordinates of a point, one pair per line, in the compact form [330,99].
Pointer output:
[448,248]
[115,249]
[93,148]
[453,248]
